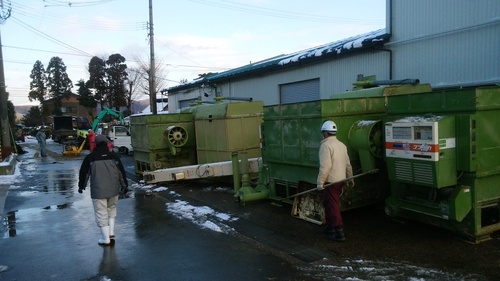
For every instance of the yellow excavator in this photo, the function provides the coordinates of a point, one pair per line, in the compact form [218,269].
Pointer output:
[74,149]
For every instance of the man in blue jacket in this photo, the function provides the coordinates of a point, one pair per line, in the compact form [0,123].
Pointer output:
[107,178]
[41,138]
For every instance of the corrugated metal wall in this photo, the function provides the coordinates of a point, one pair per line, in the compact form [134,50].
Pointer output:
[447,42]
[413,19]
[334,77]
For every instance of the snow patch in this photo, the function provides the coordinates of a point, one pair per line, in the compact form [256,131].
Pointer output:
[203,216]
[358,269]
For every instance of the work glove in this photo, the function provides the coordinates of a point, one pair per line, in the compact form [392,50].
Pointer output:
[320,187]
[81,189]
[123,193]
[350,184]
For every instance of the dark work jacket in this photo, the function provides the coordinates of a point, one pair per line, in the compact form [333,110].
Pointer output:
[105,171]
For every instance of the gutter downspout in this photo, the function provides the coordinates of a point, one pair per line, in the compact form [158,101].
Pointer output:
[388,24]
[390,60]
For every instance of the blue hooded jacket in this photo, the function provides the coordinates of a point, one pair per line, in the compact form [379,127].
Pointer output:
[105,171]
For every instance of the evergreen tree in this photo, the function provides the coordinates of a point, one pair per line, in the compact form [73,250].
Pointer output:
[116,74]
[98,79]
[38,85]
[11,115]
[38,90]
[59,84]
[86,98]
[33,117]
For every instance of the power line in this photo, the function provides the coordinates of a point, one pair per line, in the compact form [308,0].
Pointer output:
[32,12]
[197,66]
[50,38]
[279,13]
[75,3]
[74,54]
[168,47]
[44,51]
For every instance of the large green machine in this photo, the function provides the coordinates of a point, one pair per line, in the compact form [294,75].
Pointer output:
[199,134]
[224,128]
[162,141]
[443,158]
[291,137]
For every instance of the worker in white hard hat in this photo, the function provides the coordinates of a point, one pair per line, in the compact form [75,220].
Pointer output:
[334,166]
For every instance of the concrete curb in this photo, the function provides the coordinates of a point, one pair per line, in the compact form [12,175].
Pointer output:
[8,166]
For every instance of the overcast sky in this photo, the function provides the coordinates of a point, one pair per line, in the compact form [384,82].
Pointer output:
[191,36]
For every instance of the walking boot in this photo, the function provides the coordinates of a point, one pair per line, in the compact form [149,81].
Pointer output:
[338,236]
[111,228]
[329,230]
[105,241]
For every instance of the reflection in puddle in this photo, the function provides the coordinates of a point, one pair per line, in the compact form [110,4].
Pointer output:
[9,224]
[64,206]
[10,220]
[50,180]
[59,207]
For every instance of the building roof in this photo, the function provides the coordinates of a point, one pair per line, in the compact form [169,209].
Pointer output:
[62,99]
[367,41]
[161,106]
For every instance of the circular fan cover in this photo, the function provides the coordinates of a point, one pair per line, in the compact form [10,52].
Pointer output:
[177,136]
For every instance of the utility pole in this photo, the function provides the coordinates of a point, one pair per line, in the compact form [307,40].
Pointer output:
[6,144]
[152,66]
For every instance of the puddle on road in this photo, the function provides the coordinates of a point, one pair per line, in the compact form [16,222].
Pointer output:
[26,215]
[45,180]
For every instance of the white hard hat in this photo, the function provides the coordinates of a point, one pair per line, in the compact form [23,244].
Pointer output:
[329,126]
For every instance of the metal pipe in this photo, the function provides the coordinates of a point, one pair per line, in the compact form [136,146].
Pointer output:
[261,192]
[467,85]
[233,98]
[247,197]
[396,82]
[200,102]
[332,184]
[245,188]
[245,178]
[373,83]
[236,173]
[261,186]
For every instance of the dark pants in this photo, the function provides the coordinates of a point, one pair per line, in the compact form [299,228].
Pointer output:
[331,203]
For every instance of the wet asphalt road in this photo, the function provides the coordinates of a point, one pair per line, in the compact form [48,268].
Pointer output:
[50,234]
[175,232]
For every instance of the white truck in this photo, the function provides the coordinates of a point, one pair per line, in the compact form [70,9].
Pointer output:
[120,137]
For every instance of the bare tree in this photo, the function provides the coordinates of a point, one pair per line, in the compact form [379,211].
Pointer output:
[135,81]
[143,69]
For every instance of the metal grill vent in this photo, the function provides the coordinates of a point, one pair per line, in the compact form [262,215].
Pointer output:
[403,171]
[422,173]
[417,172]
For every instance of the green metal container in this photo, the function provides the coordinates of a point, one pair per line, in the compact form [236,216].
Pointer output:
[291,137]
[224,128]
[163,141]
[459,189]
